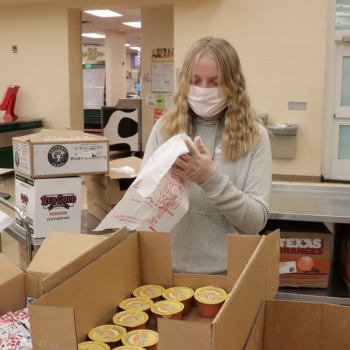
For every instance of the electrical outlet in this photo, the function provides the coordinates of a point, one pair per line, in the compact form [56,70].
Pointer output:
[296,105]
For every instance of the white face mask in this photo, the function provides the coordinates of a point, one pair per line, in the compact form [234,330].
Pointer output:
[206,102]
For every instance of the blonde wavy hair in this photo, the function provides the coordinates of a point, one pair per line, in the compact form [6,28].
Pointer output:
[241,133]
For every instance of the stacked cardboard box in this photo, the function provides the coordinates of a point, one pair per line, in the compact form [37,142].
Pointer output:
[305,253]
[48,167]
[105,191]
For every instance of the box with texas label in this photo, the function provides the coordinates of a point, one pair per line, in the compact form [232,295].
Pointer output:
[60,153]
[52,204]
[305,253]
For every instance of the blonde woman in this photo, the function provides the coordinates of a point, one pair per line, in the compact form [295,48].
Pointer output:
[229,163]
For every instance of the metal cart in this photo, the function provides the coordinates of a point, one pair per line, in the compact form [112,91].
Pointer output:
[25,225]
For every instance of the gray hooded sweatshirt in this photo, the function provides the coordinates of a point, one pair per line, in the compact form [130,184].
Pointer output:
[234,200]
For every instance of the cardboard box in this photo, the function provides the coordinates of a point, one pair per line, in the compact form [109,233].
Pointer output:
[55,153]
[305,253]
[52,204]
[96,206]
[343,255]
[286,325]
[63,317]
[112,186]
[60,257]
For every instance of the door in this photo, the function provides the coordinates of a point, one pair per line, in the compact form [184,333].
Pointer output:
[336,122]
[340,168]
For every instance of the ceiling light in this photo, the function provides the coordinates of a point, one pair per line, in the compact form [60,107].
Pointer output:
[104,13]
[93,35]
[127,44]
[135,48]
[133,24]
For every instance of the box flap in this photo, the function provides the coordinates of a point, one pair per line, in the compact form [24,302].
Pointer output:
[132,162]
[239,251]
[156,267]
[175,335]
[60,248]
[272,255]
[8,269]
[59,135]
[12,289]
[233,323]
[12,295]
[58,333]
[74,266]
[96,291]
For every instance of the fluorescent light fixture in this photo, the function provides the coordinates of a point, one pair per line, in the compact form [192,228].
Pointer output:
[133,24]
[104,13]
[135,48]
[93,35]
[127,44]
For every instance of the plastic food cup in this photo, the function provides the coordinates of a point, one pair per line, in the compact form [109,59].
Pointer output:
[182,294]
[93,345]
[144,338]
[138,303]
[131,319]
[167,309]
[150,291]
[110,334]
[209,300]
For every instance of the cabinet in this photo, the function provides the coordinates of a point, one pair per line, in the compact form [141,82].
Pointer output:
[326,203]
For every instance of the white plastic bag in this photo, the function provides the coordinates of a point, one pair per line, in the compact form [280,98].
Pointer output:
[158,198]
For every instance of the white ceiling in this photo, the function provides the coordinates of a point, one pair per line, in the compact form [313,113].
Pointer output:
[101,24]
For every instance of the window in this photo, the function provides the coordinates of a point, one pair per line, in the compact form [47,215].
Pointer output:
[135,61]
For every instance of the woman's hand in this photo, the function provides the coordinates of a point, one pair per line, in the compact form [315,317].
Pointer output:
[197,165]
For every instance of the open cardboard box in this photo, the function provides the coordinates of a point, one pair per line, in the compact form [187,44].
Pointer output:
[286,325]
[60,257]
[111,187]
[63,317]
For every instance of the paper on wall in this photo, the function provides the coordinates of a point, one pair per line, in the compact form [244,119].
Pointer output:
[158,198]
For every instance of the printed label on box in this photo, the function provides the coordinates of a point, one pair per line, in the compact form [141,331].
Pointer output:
[21,158]
[288,267]
[52,204]
[310,253]
[70,158]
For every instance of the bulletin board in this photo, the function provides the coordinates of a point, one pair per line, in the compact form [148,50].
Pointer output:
[162,76]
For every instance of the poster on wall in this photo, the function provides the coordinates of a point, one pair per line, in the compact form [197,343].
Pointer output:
[93,53]
[162,76]
[163,54]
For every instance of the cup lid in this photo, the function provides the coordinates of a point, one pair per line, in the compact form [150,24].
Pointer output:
[130,318]
[93,345]
[149,291]
[210,295]
[138,303]
[140,337]
[107,333]
[167,307]
[178,293]
[129,347]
